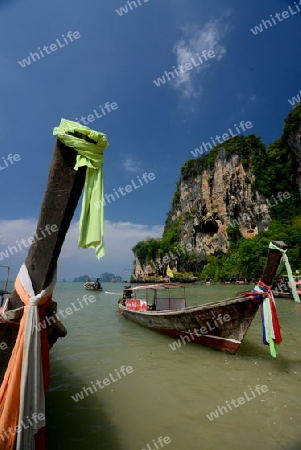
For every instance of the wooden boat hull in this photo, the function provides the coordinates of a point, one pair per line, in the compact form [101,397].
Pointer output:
[92,289]
[279,294]
[208,320]
[282,289]
[285,294]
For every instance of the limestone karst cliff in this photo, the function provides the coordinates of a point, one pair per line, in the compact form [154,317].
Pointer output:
[239,185]
[211,198]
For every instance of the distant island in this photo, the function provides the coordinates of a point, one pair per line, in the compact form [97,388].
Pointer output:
[104,278]
[82,279]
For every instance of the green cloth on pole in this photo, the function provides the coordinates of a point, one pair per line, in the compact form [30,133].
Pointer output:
[289,272]
[90,154]
[266,306]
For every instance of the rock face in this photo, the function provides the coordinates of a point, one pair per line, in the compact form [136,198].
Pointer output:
[145,271]
[157,268]
[294,142]
[215,199]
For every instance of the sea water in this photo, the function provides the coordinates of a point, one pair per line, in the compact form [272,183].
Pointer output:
[169,393]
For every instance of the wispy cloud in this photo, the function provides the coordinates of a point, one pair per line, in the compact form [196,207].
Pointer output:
[119,239]
[246,100]
[195,41]
[131,164]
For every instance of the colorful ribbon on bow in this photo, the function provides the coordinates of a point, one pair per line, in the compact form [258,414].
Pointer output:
[271,334]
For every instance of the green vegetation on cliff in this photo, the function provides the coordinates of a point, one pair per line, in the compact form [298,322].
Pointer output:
[250,148]
[149,250]
[246,257]
[292,122]
[280,177]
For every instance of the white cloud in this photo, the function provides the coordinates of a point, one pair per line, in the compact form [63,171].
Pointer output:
[195,42]
[119,239]
[131,164]
[11,229]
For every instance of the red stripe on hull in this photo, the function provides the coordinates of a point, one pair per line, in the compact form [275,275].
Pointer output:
[224,345]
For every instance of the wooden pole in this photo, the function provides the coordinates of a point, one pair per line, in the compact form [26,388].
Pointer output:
[272,264]
[61,198]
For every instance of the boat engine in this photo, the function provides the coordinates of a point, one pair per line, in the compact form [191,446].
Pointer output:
[127,292]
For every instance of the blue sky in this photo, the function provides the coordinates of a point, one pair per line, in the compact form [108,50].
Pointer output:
[154,129]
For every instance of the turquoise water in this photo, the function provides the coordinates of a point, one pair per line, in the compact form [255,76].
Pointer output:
[169,393]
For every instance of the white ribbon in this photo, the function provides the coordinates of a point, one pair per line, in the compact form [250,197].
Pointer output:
[32,396]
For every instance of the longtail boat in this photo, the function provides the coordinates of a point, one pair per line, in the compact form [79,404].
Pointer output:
[93,285]
[282,288]
[221,325]
[24,363]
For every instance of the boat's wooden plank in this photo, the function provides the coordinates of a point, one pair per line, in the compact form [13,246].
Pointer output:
[61,198]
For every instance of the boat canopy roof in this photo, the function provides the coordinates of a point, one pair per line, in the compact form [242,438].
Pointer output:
[155,287]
